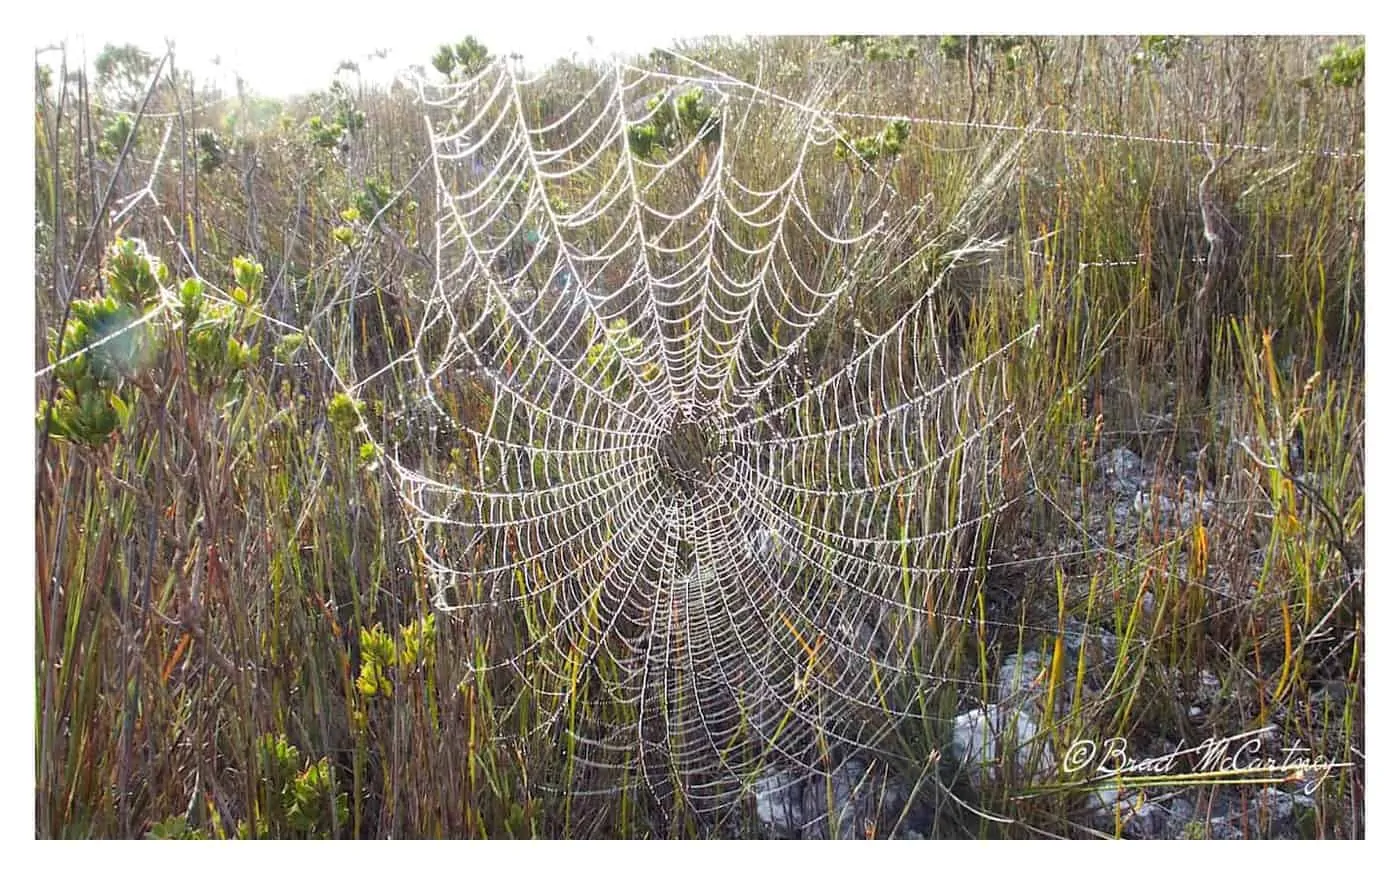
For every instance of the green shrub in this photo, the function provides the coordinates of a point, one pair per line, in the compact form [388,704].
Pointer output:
[673,120]
[211,151]
[1344,66]
[889,143]
[465,59]
[1161,51]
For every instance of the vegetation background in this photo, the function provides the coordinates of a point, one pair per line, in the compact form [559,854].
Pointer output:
[234,638]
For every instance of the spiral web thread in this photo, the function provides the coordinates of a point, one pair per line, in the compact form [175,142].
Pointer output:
[724,519]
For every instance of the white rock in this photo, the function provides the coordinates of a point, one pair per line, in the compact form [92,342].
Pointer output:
[1130,810]
[778,802]
[1184,509]
[985,738]
[845,798]
[1277,812]
[1123,469]
[842,804]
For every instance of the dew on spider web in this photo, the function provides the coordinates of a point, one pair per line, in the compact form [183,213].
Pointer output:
[717,518]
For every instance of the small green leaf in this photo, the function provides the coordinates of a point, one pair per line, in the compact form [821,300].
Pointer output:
[288,347]
[344,412]
[123,410]
[191,300]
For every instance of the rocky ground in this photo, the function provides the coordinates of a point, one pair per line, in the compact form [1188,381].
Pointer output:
[863,798]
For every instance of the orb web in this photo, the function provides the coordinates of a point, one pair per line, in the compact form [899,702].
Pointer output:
[705,519]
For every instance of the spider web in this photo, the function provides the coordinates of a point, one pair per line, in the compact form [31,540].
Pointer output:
[706,519]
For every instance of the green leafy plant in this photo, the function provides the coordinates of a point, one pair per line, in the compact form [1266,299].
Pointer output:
[344,412]
[216,348]
[378,655]
[382,657]
[462,60]
[324,134]
[337,121]
[107,342]
[217,332]
[191,301]
[350,117]
[372,199]
[299,797]
[1344,66]
[111,341]
[288,347]
[887,144]
[956,47]
[248,275]
[211,151]
[419,644]
[134,274]
[114,135]
[672,120]
[876,48]
[1160,51]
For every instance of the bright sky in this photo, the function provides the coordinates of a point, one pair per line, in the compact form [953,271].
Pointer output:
[291,47]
